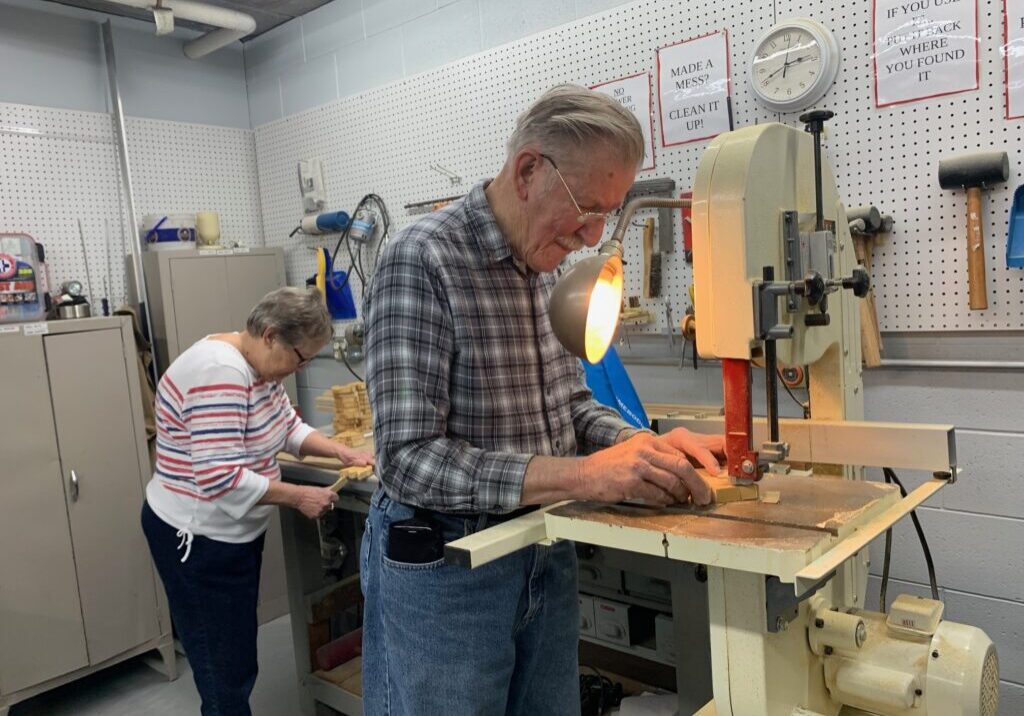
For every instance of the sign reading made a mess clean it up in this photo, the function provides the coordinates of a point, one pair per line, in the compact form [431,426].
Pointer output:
[693,89]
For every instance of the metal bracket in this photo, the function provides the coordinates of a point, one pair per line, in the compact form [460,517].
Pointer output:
[781,605]
[794,263]
[454,178]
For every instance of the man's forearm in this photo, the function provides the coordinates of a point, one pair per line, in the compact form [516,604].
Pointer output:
[551,479]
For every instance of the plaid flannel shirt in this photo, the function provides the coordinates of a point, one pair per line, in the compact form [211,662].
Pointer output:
[465,375]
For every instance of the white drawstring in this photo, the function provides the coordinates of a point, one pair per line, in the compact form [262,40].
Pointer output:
[186,540]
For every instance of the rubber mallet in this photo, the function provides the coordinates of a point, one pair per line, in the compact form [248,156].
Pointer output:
[974,172]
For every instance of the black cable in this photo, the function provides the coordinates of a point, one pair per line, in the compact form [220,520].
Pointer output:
[296,230]
[932,581]
[349,366]
[803,406]
[885,563]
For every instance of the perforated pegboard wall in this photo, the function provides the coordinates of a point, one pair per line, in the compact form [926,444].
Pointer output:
[59,166]
[460,115]
[185,168]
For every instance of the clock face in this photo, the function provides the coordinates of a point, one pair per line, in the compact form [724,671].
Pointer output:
[786,65]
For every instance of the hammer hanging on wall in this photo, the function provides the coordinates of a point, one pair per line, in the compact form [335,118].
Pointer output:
[865,221]
[974,172]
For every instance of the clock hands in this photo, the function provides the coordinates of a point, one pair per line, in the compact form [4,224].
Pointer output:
[786,64]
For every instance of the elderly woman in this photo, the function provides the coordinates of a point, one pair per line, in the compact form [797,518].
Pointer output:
[222,416]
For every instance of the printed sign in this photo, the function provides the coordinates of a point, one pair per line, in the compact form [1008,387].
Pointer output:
[1013,56]
[693,89]
[634,93]
[924,49]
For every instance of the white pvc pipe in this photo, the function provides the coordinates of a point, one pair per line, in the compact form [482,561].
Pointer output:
[233,25]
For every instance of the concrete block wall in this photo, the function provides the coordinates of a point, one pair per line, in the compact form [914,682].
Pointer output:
[52,56]
[975,527]
[348,46]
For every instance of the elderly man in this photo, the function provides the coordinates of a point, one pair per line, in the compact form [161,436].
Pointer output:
[480,414]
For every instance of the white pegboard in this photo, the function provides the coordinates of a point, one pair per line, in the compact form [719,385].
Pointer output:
[461,114]
[59,166]
[185,168]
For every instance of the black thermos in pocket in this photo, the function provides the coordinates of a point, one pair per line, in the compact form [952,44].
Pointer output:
[415,541]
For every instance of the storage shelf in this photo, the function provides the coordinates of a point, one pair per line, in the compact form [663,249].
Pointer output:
[643,652]
[614,596]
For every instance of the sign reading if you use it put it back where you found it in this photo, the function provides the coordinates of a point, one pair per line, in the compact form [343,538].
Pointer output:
[924,49]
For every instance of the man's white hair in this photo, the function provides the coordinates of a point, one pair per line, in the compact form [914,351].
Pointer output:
[569,117]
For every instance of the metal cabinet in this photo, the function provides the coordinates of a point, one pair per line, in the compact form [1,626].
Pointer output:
[77,588]
[193,293]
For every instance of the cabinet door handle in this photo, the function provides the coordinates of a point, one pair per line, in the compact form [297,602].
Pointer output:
[74,486]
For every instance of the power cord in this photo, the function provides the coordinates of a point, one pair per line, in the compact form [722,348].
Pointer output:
[891,478]
[598,693]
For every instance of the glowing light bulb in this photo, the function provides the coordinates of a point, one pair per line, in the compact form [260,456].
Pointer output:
[603,313]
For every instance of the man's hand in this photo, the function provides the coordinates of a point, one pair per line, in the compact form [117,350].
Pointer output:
[313,502]
[697,446]
[352,458]
[644,467]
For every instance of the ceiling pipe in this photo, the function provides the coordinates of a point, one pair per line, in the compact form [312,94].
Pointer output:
[233,25]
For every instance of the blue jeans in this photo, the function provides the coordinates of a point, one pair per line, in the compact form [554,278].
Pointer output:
[441,640]
[212,598]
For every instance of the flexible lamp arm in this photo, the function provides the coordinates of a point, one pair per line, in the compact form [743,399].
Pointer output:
[643,202]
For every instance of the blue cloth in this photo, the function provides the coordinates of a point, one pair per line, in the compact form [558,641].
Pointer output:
[212,598]
[440,639]
[611,386]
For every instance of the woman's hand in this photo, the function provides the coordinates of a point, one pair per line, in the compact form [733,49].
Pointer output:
[351,457]
[313,502]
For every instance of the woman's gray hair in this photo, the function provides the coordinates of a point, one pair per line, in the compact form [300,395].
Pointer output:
[570,117]
[297,315]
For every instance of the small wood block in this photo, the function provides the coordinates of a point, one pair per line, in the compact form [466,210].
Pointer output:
[356,472]
[725,491]
[771,497]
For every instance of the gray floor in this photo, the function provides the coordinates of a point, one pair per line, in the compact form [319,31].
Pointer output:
[132,688]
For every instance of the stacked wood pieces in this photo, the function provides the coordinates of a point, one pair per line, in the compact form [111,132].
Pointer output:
[352,416]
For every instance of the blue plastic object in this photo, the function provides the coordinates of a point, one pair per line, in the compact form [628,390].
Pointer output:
[611,386]
[158,234]
[1015,232]
[337,291]
[332,221]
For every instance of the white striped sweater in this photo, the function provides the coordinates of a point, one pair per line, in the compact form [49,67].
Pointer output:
[219,429]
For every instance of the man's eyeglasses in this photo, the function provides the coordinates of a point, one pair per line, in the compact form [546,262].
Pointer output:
[584,217]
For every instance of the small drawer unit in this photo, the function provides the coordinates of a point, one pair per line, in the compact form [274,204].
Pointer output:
[623,624]
[588,625]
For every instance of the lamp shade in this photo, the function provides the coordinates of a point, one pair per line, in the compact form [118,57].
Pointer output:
[585,306]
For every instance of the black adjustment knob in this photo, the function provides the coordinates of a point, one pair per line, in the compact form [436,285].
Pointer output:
[817,319]
[860,282]
[816,119]
[813,288]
